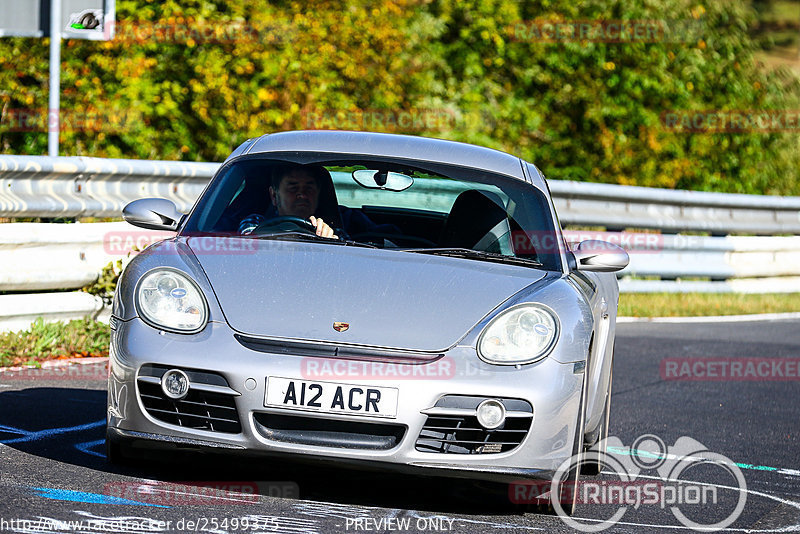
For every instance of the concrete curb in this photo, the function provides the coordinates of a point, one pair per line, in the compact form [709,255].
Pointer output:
[50,364]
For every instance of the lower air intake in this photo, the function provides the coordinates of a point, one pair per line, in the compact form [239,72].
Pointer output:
[452,427]
[209,405]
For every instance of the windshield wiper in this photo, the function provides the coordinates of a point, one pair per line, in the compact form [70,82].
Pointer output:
[304,236]
[477,255]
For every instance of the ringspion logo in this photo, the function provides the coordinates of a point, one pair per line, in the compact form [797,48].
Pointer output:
[648,473]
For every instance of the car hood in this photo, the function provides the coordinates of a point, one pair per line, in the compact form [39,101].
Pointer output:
[297,290]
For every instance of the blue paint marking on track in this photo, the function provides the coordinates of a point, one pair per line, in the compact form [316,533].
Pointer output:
[85,497]
[88,445]
[41,434]
[11,429]
[31,436]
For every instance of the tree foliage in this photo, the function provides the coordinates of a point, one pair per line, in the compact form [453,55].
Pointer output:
[192,79]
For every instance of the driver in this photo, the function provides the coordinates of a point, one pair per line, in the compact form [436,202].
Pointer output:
[294,192]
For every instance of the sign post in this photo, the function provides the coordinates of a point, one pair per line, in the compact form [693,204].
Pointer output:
[54,105]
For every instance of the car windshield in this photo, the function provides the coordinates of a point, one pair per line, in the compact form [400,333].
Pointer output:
[412,207]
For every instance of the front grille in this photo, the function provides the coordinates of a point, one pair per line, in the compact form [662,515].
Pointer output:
[452,427]
[209,405]
[320,432]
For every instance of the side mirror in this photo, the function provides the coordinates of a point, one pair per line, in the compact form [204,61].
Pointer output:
[152,213]
[600,256]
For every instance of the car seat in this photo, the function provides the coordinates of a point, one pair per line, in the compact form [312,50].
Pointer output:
[476,221]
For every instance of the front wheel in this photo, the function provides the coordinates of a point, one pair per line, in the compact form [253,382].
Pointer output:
[116,452]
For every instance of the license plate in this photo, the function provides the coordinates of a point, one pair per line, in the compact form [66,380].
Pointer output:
[331,397]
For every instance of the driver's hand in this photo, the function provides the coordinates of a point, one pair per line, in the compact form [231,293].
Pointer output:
[323,230]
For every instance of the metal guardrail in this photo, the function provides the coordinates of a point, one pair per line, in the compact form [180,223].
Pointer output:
[36,257]
[625,206]
[40,186]
[39,256]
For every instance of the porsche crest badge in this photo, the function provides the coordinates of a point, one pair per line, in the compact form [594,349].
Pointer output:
[340,326]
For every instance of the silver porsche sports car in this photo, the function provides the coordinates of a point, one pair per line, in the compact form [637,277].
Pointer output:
[377,300]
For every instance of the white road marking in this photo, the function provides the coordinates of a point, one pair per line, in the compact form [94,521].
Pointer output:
[331,509]
[347,511]
[788,528]
[713,318]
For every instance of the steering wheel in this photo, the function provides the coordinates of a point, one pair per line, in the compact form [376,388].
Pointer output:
[287,223]
[366,236]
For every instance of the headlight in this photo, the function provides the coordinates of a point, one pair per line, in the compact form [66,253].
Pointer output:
[168,299]
[521,334]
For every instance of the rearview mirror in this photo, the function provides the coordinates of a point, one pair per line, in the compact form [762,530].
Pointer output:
[152,213]
[600,256]
[391,181]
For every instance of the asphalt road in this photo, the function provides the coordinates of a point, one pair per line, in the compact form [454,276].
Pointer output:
[54,477]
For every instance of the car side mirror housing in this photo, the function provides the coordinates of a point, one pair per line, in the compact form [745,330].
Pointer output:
[153,214]
[600,256]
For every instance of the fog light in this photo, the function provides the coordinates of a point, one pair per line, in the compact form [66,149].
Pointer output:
[491,414]
[175,384]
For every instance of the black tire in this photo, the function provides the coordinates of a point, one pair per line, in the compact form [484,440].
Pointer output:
[594,460]
[89,21]
[116,452]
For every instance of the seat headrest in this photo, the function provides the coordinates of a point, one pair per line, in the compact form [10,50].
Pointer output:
[473,215]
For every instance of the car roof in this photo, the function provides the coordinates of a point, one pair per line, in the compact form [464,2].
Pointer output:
[392,145]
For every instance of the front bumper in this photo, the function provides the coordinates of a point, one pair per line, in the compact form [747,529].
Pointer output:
[551,388]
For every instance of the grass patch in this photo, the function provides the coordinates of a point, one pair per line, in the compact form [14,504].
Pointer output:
[48,341]
[699,304]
